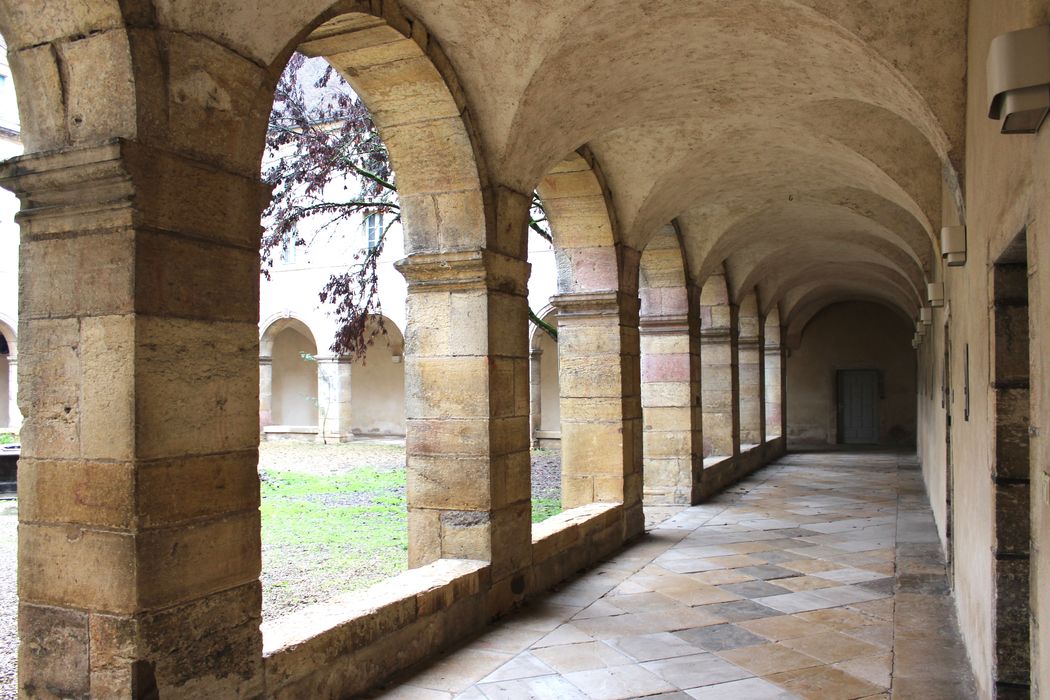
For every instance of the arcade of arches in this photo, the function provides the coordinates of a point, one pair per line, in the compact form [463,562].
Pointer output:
[721,178]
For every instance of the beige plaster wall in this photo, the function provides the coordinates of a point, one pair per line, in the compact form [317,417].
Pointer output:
[550,404]
[294,380]
[851,335]
[377,392]
[1007,178]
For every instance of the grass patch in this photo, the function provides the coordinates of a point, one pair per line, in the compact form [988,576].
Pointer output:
[543,508]
[325,534]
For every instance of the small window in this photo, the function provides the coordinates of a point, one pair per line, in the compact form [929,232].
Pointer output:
[288,251]
[374,229]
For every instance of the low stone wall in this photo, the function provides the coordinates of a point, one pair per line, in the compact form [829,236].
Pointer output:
[358,640]
[730,470]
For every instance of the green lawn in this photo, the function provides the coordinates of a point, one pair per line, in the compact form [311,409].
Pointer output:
[326,534]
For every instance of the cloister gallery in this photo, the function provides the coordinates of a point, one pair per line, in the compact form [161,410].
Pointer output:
[738,192]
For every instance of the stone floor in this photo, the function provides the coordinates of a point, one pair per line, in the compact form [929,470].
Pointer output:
[819,577]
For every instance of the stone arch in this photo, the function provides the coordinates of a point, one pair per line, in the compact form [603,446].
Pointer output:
[774,374]
[669,328]
[805,312]
[400,71]
[719,378]
[583,225]
[750,370]
[288,396]
[598,351]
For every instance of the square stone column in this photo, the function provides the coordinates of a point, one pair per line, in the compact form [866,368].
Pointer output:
[774,390]
[601,410]
[467,408]
[333,398]
[721,389]
[671,409]
[139,547]
[751,354]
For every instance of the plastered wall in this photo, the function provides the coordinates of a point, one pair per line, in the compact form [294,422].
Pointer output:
[851,335]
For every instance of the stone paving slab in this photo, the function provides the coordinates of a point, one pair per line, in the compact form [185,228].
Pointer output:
[818,577]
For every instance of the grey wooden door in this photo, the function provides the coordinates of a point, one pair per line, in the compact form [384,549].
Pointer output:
[858,406]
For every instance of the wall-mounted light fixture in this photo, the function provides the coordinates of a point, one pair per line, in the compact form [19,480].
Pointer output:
[926,316]
[953,245]
[920,328]
[1018,67]
[935,294]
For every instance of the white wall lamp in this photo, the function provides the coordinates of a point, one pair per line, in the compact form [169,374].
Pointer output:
[935,294]
[1018,67]
[920,328]
[926,316]
[953,245]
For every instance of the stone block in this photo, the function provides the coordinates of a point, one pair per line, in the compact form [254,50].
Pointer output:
[400,82]
[661,394]
[207,83]
[225,659]
[191,278]
[424,535]
[107,389]
[577,339]
[99,59]
[98,569]
[433,156]
[77,492]
[591,376]
[591,448]
[439,437]
[50,365]
[576,489]
[180,563]
[97,279]
[53,658]
[195,378]
[450,220]
[447,387]
[40,100]
[449,482]
[176,490]
[466,534]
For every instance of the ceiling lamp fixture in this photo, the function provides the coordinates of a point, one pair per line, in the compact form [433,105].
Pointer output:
[1018,67]
[953,245]
[935,294]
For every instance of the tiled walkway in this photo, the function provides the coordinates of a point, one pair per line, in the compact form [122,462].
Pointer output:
[818,577]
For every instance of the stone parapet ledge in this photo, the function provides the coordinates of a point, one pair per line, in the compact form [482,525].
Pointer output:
[566,529]
[313,639]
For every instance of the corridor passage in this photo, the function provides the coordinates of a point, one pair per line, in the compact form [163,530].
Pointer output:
[818,577]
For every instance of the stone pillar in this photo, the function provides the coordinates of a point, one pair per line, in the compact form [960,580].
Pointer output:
[774,386]
[751,358]
[718,354]
[671,409]
[535,394]
[467,408]
[333,399]
[599,378]
[265,392]
[14,416]
[139,548]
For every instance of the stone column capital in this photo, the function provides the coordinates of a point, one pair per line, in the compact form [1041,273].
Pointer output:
[722,334]
[676,324]
[123,183]
[579,305]
[463,270]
